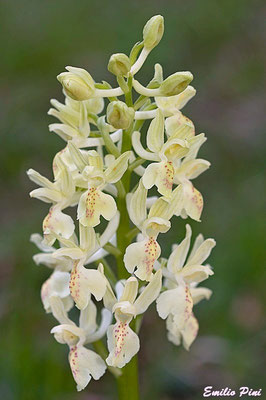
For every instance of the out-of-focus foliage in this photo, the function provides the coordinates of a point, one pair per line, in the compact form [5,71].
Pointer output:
[221,42]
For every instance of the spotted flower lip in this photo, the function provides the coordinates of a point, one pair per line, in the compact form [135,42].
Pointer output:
[123,342]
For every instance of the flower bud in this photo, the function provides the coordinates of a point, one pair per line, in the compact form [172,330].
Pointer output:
[119,115]
[176,83]
[119,64]
[77,83]
[153,32]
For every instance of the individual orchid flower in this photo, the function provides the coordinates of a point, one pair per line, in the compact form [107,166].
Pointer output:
[122,341]
[191,200]
[75,118]
[94,202]
[177,301]
[62,194]
[172,105]
[84,363]
[165,154]
[145,252]
[83,282]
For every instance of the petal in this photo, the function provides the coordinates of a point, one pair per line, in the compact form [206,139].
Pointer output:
[57,285]
[141,152]
[85,364]
[117,169]
[101,331]
[155,134]
[177,302]
[143,256]
[202,253]
[122,344]
[171,105]
[178,256]
[46,195]
[68,334]
[190,331]
[94,203]
[137,205]
[174,149]
[161,175]
[155,225]
[83,282]
[37,239]
[193,201]
[196,273]
[179,126]
[200,293]
[130,290]
[193,168]
[87,318]
[58,222]
[198,241]
[149,294]
[59,308]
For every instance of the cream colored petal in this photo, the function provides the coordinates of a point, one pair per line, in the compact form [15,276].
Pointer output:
[193,201]
[94,203]
[160,208]
[87,318]
[87,238]
[46,195]
[101,331]
[37,239]
[198,241]
[155,225]
[174,149]
[58,222]
[68,334]
[130,290]
[85,364]
[161,175]
[59,308]
[142,255]
[202,253]
[190,331]
[137,205]
[83,282]
[149,294]
[155,134]
[179,255]
[171,105]
[193,168]
[200,293]
[179,126]
[173,331]
[117,169]
[196,273]
[177,302]
[122,344]
[195,143]
[146,155]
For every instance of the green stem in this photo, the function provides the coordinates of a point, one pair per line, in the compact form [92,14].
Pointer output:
[127,383]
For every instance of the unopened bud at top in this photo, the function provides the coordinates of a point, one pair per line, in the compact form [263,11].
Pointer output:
[77,83]
[153,32]
[119,115]
[176,83]
[119,64]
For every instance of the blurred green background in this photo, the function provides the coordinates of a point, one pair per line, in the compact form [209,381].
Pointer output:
[221,42]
